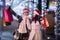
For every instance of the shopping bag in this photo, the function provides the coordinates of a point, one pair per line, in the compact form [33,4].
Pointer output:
[8,15]
[46,24]
[16,35]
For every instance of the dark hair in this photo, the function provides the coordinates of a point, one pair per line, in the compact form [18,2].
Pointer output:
[36,18]
[50,12]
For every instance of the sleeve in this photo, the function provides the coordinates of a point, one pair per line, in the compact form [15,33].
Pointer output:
[41,18]
[14,13]
[28,24]
[18,16]
[20,19]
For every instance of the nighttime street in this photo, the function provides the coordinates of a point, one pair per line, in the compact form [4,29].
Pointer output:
[29,19]
[7,32]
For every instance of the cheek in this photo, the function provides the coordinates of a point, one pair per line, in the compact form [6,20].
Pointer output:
[33,15]
[25,13]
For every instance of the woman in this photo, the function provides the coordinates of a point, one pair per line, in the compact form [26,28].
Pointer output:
[24,24]
[36,26]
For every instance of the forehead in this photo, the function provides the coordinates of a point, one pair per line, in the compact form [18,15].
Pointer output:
[25,11]
[35,12]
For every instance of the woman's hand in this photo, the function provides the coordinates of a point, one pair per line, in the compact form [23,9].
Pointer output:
[24,18]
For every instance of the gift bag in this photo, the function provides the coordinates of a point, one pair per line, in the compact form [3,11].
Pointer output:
[46,24]
[8,15]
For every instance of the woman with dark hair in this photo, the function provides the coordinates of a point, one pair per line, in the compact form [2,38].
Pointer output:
[36,26]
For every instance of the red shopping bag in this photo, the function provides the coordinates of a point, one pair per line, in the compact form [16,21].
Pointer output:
[8,15]
[46,24]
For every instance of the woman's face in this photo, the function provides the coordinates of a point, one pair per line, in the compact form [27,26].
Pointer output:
[35,13]
[26,12]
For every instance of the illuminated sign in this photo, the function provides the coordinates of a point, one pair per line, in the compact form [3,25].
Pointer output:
[1,3]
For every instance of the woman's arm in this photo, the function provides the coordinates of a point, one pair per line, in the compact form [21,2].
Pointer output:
[28,24]
[15,14]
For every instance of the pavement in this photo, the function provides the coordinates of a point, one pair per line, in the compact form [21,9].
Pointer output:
[6,36]
[6,33]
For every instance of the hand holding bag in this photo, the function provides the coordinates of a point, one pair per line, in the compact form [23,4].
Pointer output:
[16,35]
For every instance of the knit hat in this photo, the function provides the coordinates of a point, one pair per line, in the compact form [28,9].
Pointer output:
[38,11]
[26,9]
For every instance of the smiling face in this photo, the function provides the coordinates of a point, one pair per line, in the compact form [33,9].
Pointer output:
[35,13]
[26,12]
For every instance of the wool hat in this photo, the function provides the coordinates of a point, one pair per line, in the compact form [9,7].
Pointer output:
[38,11]
[26,9]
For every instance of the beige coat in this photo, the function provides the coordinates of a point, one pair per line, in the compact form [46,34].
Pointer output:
[22,26]
[35,32]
